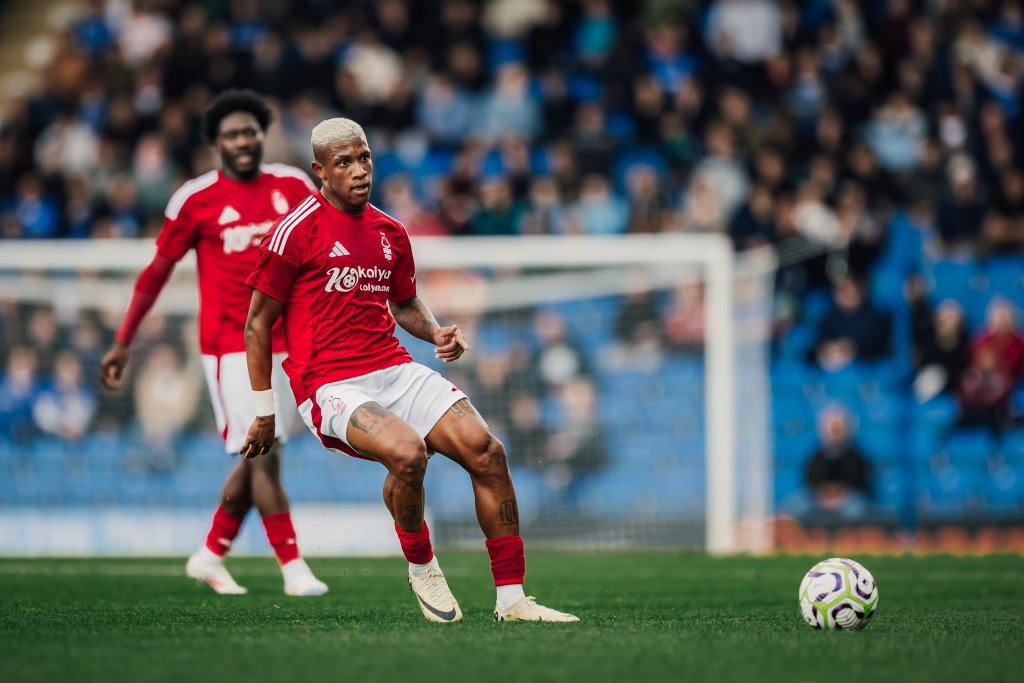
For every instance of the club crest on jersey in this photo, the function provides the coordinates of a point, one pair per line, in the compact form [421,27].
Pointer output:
[279,202]
[345,279]
[386,246]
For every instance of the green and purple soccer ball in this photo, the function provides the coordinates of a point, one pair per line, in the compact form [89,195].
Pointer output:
[838,594]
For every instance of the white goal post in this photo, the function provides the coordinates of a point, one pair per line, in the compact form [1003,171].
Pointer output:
[533,271]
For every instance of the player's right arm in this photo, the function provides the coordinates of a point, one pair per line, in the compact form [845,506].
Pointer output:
[177,236]
[148,286]
[263,313]
[271,281]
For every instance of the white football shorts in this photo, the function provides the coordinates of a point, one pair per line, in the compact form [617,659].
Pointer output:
[415,393]
[227,378]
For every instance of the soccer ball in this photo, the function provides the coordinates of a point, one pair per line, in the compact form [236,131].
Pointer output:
[838,594]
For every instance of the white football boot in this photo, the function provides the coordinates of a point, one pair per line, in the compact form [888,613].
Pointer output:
[434,597]
[205,567]
[299,580]
[527,609]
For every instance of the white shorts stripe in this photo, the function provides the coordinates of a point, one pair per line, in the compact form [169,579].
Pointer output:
[296,215]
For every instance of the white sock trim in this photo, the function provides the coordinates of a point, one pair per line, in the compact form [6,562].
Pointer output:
[417,569]
[509,595]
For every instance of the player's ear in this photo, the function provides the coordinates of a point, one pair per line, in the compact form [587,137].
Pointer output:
[318,168]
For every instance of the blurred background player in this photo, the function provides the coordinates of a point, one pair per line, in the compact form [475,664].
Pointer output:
[335,267]
[224,215]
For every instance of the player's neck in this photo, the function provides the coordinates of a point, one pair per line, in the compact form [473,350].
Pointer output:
[350,209]
[234,176]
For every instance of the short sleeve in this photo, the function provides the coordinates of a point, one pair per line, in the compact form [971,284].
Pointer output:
[177,236]
[277,267]
[403,282]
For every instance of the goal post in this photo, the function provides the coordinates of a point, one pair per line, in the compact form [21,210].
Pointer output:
[714,392]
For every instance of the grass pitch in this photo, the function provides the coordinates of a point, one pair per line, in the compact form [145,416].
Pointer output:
[645,618]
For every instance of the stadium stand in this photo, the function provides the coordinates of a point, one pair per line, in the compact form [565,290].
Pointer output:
[872,139]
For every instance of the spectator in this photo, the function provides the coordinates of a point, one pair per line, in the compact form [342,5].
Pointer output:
[499,213]
[544,213]
[941,348]
[576,447]
[65,405]
[1002,336]
[984,392]
[853,330]
[18,387]
[838,475]
[166,395]
[650,210]
[754,224]
[557,358]
[508,107]
[685,319]
[747,31]
[36,213]
[961,210]
[598,211]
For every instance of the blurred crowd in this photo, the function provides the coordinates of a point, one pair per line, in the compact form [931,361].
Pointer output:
[822,129]
[770,120]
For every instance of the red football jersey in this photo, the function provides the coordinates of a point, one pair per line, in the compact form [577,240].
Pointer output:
[335,273]
[225,221]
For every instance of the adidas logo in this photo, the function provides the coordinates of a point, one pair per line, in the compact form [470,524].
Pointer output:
[339,250]
[228,215]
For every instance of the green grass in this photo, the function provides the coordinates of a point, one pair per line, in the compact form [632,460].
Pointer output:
[644,618]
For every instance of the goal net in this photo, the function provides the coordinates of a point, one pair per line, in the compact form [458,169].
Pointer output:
[626,376]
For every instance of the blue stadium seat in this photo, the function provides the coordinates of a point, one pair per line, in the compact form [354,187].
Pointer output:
[961,280]
[787,377]
[890,490]
[880,443]
[788,480]
[924,444]
[887,286]
[797,343]
[794,450]
[936,415]
[1013,448]
[1006,277]
[947,493]
[970,447]
[1004,491]
[905,245]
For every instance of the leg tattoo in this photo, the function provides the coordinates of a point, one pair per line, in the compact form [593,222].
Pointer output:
[370,418]
[509,512]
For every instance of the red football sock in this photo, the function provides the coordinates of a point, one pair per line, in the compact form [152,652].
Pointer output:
[222,532]
[508,559]
[416,544]
[281,535]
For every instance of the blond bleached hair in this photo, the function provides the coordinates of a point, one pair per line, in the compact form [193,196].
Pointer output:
[334,130]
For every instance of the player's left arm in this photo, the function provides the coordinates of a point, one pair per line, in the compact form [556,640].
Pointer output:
[416,318]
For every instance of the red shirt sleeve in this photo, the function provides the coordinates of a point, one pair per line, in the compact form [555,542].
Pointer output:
[403,281]
[275,273]
[180,232]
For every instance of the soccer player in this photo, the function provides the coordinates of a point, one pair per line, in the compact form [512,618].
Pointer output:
[224,215]
[333,268]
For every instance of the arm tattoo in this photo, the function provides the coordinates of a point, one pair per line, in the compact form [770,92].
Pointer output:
[370,418]
[509,512]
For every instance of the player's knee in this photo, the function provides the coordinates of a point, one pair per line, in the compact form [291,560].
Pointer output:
[409,462]
[491,461]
